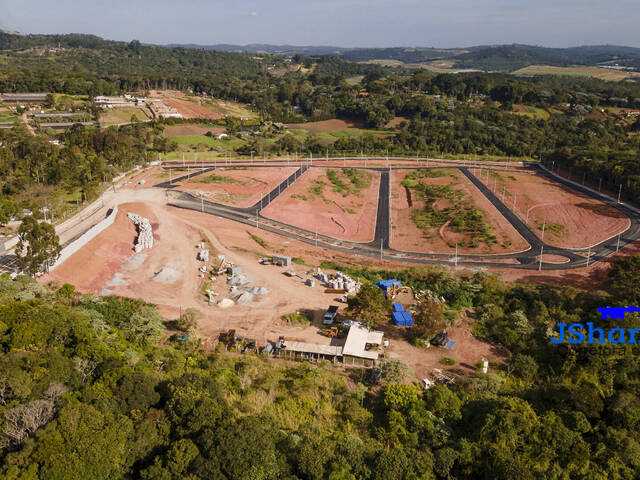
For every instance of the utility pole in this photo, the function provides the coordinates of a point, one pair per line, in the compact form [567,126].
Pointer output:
[544,224]
[588,256]
[619,193]
[618,245]
[515,197]
[540,265]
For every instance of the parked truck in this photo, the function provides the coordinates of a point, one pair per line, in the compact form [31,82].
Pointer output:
[330,316]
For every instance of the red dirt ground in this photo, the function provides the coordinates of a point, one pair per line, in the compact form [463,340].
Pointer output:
[586,221]
[407,236]
[252,185]
[328,213]
[326,126]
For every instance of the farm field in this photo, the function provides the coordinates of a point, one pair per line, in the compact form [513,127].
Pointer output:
[116,116]
[570,219]
[327,200]
[454,211]
[184,130]
[240,187]
[577,71]
[530,111]
[334,129]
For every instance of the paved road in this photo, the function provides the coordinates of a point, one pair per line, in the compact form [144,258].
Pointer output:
[526,260]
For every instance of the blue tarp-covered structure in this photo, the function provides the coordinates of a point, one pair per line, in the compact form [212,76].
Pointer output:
[400,317]
[384,284]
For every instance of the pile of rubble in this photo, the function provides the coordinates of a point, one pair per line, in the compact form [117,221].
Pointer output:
[429,295]
[145,233]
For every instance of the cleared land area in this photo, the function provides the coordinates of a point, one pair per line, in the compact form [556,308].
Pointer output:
[608,74]
[433,209]
[240,187]
[190,106]
[340,203]
[570,219]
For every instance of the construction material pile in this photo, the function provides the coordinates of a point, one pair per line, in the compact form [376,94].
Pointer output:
[237,280]
[203,255]
[429,295]
[145,233]
[340,281]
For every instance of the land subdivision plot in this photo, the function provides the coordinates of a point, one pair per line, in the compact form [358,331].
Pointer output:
[570,219]
[239,187]
[318,202]
[406,203]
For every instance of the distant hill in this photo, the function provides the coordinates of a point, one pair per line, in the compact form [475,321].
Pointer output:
[505,58]
[286,50]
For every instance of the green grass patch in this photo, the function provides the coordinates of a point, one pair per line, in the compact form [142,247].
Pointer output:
[349,180]
[447,361]
[216,179]
[462,215]
[296,319]
[299,261]
[260,241]
[554,228]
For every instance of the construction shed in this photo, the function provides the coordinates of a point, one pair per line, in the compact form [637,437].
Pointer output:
[312,351]
[24,97]
[281,261]
[359,340]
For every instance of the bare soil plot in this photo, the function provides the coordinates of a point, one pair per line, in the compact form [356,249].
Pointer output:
[316,202]
[236,186]
[119,115]
[570,219]
[166,273]
[406,206]
[326,126]
[181,130]
[200,107]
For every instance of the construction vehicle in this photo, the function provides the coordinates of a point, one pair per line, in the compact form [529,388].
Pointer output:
[332,332]
[395,289]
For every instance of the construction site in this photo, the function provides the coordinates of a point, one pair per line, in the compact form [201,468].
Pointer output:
[247,266]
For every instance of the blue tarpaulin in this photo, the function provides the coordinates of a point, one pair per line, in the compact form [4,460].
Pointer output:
[450,344]
[402,319]
[398,307]
[384,284]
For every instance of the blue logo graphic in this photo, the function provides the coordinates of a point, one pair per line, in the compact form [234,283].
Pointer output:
[588,333]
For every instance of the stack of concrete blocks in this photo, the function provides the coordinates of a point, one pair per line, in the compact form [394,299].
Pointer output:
[145,233]
[344,282]
[203,255]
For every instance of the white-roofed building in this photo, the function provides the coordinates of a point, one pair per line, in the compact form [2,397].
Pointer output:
[357,347]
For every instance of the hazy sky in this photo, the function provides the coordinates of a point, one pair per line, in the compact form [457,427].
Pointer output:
[349,23]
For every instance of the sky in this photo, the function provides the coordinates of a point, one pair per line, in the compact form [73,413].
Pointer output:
[345,23]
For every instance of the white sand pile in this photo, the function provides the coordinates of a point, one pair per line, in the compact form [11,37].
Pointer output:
[117,281]
[237,279]
[105,292]
[226,303]
[167,275]
[134,262]
[244,298]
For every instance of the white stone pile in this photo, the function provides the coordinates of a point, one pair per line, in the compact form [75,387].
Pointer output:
[145,233]
[340,281]
[203,255]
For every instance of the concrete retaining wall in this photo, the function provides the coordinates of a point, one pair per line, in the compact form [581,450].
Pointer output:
[86,237]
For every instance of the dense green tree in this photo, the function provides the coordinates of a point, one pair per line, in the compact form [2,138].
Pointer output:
[38,245]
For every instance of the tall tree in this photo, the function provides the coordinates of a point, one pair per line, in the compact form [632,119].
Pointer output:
[38,246]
